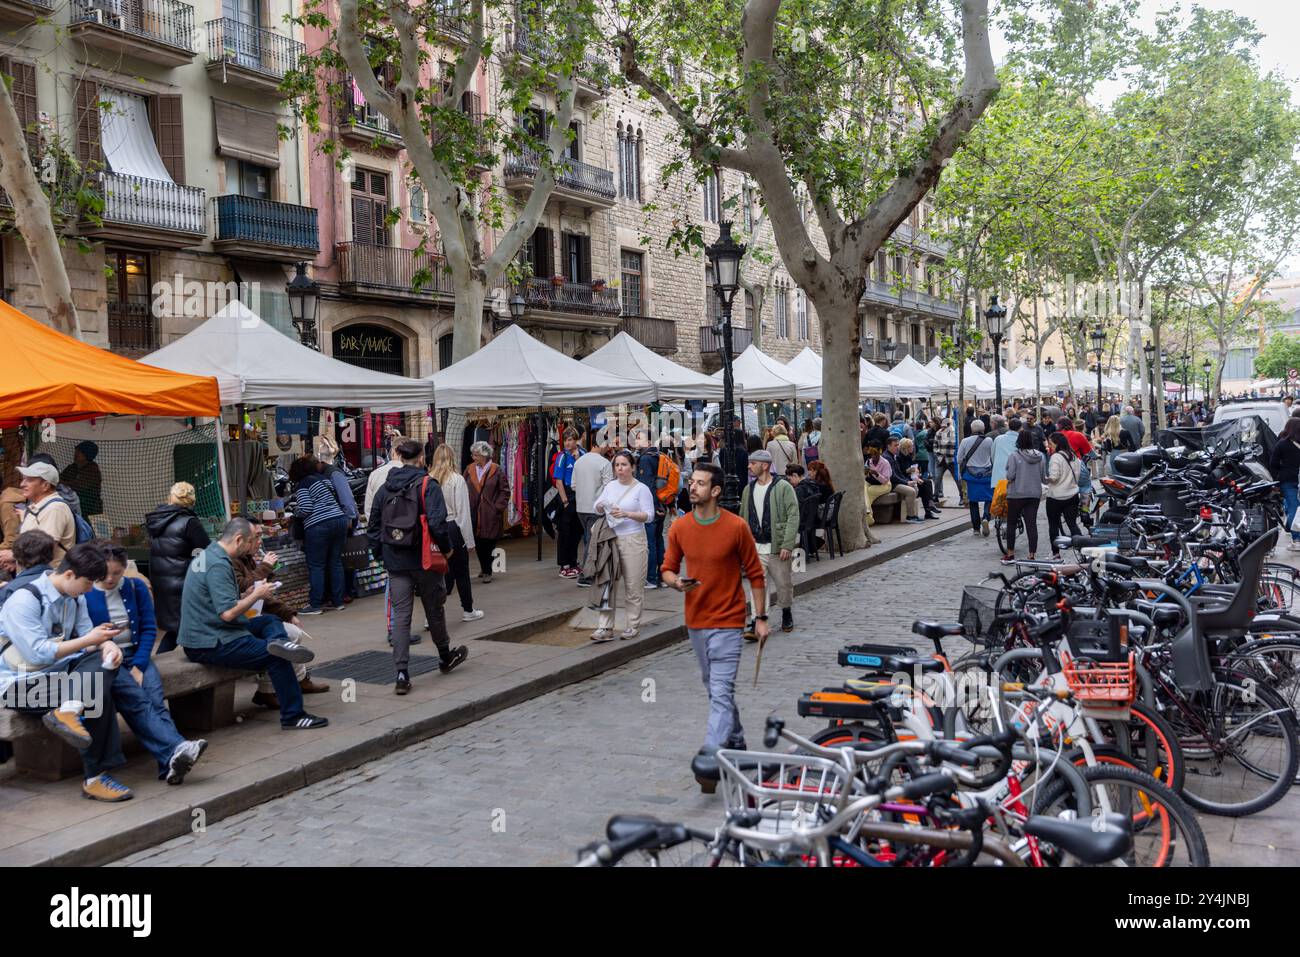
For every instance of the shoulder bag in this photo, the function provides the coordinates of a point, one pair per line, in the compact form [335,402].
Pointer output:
[431,557]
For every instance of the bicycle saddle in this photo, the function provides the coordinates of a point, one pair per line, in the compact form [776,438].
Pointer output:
[934,629]
[1092,840]
[623,826]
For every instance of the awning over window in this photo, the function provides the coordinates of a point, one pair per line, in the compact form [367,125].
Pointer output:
[127,137]
[249,135]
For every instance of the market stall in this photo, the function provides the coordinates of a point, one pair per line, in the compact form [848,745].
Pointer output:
[624,356]
[515,372]
[121,432]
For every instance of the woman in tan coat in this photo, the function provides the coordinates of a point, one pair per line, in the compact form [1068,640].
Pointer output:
[488,496]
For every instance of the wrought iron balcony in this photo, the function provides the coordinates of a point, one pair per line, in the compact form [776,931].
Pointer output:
[246,225]
[392,271]
[592,73]
[162,213]
[454,19]
[577,181]
[160,31]
[921,240]
[572,297]
[711,342]
[363,123]
[923,304]
[250,56]
[24,11]
[657,334]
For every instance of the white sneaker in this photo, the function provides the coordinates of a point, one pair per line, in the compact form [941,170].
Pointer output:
[474,615]
[650,586]
[629,633]
[1293,546]
[602,634]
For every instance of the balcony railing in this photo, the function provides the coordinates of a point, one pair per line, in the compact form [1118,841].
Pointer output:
[132,327]
[261,222]
[360,114]
[920,239]
[393,269]
[454,18]
[153,204]
[252,48]
[24,11]
[162,21]
[578,177]
[541,293]
[711,342]
[592,70]
[657,334]
[887,294]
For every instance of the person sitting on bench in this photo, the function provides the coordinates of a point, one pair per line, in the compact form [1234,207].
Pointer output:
[138,687]
[56,663]
[216,629]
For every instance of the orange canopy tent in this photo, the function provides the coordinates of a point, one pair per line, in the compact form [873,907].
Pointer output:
[45,374]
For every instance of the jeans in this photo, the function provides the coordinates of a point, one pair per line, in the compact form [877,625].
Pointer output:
[248,653]
[323,545]
[975,513]
[1018,508]
[402,589]
[654,537]
[93,684]
[1290,501]
[145,711]
[945,467]
[458,577]
[718,652]
[568,533]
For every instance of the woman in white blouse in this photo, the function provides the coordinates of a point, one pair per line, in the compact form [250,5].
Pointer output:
[627,506]
[455,492]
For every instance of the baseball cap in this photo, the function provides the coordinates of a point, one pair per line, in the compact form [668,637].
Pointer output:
[40,470]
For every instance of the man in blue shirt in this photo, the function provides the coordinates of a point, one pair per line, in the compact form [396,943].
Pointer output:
[54,657]
[568,528]
[216,630]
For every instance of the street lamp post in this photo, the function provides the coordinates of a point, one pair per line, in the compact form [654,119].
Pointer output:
[1099,347]
[304,301]
[1206,366]
[996,316]
[890,348]
[1167,369]
[1187,360]
[725,255]
[1149,351]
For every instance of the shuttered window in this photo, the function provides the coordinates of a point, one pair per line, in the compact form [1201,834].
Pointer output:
[577,257]
[86,104]
[537,252]
[23,93]
[370,208]
[169,133]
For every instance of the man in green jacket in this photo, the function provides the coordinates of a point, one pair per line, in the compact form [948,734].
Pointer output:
[771,508]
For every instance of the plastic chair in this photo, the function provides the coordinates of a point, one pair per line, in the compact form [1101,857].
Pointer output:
[808,516]
[829,523]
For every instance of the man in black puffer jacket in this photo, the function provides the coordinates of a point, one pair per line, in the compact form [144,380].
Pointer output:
[406,574]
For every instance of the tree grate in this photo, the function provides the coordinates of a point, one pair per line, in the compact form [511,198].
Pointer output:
[373,667]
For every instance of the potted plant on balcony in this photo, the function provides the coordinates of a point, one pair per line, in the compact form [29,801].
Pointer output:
[557,280]
[598,285]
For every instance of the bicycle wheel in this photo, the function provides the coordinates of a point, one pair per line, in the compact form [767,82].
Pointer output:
[1274,662]
[1280,593]
[999,532]
[698,851]
[1151,741]
[1239,744]
[1165,831]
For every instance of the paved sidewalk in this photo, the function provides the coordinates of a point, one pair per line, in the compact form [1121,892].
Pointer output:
[254,760]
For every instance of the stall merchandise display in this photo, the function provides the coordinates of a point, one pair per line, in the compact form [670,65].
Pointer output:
[371,580]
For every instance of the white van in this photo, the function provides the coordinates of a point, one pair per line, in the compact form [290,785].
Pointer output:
[1272,411]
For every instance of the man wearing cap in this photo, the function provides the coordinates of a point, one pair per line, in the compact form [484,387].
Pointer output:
[771,508]
[46,509]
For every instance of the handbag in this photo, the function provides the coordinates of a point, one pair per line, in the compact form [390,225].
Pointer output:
[431,557]
[356,552]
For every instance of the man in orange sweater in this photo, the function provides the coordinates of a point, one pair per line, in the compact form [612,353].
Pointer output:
[719,549]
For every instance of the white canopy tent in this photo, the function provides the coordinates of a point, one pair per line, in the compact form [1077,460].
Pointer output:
[764,379]
[514,370]
[912,372]
[979,386]
[624,356]
[256,364]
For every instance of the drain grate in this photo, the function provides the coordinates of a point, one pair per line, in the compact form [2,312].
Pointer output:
[373,667]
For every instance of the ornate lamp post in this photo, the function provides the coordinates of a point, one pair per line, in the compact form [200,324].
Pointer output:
[1187,361]
[996,316]
[890,348]
[304,301]
[1167,368]
[517,307]
[1149,351]
[1099,347]
[725,255]
[1206,366]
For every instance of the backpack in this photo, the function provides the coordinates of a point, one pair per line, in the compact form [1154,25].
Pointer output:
[400,517]
[897,430]
[84,530]
[669,479]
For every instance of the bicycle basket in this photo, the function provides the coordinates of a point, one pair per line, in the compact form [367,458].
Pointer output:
[1103,683]
[978,609]
[787,789]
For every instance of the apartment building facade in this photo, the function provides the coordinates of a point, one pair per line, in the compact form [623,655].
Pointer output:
[177,106]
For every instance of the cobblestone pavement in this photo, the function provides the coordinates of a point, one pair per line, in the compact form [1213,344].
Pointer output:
[530,785]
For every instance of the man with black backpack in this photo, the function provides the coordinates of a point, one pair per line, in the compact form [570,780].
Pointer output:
[409,502]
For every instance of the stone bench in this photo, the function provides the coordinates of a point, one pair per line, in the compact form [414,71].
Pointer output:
[200,698]
[886,509]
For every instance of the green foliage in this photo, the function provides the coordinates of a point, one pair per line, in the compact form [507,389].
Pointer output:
[1281,353]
